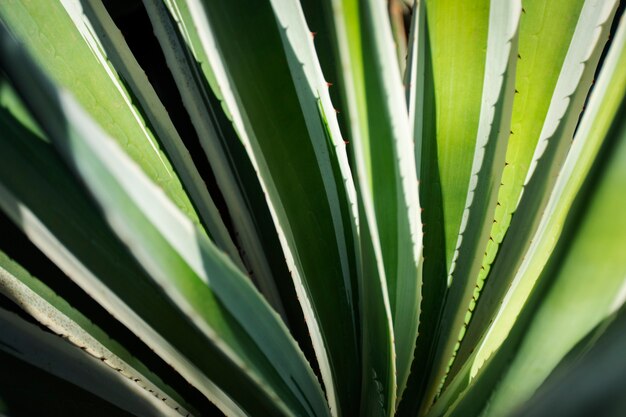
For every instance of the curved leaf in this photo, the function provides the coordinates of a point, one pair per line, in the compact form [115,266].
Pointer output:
[209,291]
[52,311]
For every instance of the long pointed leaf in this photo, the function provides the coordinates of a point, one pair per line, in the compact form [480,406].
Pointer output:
[386,174]
[207,288]
[571,305]
[298,166]
[487,166]
[151,108]
[51,353]
[58,33]
[52,311]
[234,173]
[553,146]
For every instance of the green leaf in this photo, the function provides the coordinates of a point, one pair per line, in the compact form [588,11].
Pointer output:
[337,23]
[422,118]
[590,282]
[458,61]
[393,180]
[542,51]
[76,238]
[52,311]
[52,354]
[593,382]
[290,137]
[386,177]
[446,72]
[64,41]
[582,238]
[487,166]
[510,288]
[32,391]
[158,121]
[232,168]
[565,53]
[240,331]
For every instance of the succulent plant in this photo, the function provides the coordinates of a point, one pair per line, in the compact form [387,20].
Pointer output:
[315,208]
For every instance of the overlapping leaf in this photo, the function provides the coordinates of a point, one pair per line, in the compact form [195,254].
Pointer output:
[248,352]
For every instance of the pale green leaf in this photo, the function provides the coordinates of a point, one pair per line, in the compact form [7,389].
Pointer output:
[487,165]
[590,283]
[582,386]
[511,287]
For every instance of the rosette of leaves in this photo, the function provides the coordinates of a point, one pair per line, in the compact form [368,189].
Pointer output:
[315,208]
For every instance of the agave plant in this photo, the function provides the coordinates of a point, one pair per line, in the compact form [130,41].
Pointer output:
[315,208]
